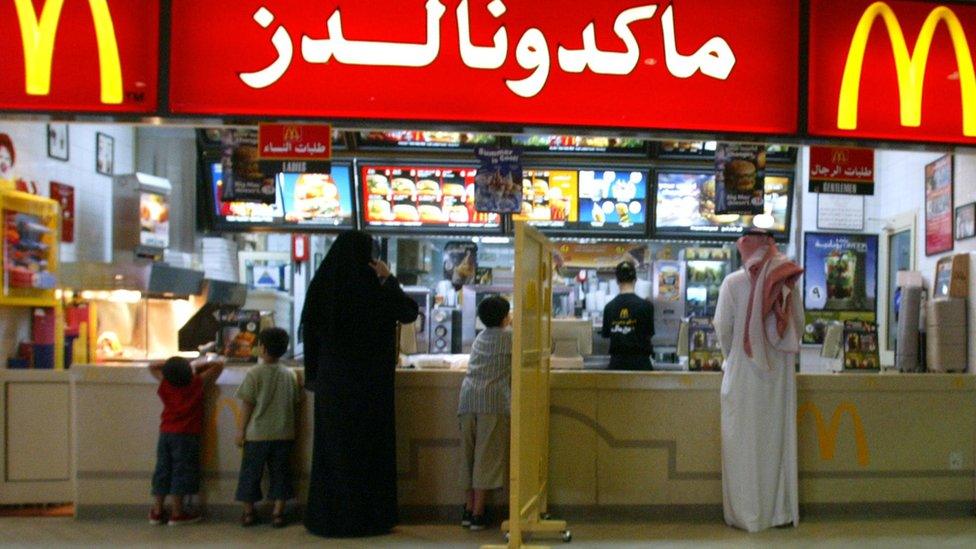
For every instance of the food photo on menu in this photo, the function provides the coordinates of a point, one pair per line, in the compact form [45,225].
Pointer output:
[612,198]
[685,204]
[549,198]
[419,197]
[242,212]
[317,198]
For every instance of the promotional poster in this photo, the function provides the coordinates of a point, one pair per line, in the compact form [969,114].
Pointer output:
[243,178]
[840,282]
[460,263]
[861,346]
[938,206]
[739,177]
[498,185]
[704,353]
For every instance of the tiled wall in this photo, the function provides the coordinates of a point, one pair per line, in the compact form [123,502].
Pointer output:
[900,189]
[93,191]
[93,198]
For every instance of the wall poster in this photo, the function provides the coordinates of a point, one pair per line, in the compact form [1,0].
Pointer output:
[739,175]
[841,281]
[938,206]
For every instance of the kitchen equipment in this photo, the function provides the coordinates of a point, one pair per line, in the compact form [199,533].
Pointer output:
[424,300]
[445,331]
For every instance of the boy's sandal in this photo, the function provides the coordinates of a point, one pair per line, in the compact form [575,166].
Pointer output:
[278,521]
[249,519]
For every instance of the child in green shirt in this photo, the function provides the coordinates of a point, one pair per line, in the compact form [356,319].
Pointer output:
[270,397]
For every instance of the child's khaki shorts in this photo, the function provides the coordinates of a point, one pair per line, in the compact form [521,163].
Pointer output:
[484,451]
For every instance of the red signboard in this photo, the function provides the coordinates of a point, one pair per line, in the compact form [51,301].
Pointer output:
[64,195]
[294,142]
[841,170]
[710,65]
[80,56]
[870,63]
[938,206]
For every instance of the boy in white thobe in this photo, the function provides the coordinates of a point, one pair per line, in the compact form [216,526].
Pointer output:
[758,322]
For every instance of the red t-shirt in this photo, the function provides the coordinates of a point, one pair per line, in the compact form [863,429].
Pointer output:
[182,407]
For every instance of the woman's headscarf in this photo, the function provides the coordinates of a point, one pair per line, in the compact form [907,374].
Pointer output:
[339,285]
[770,319]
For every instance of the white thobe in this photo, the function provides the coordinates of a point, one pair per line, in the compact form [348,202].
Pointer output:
[759,462]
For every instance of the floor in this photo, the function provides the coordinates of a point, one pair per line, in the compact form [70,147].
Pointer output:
[48,532]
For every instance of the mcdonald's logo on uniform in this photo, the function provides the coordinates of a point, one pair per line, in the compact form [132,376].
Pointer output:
[827,431]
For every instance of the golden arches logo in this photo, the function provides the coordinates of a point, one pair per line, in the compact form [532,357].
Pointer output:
[292,133]
[827,433]
[210,438]
[38,34]
[909,66]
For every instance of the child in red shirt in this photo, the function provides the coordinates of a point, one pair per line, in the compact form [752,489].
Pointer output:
[181,388]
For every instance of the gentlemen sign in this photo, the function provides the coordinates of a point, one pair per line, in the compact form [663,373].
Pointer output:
[80,55]
[841,170]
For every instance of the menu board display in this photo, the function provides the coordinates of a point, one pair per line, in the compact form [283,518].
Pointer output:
[686,205]
[613,199]
[422,197]
[306,201]
[585,201]
[705,150]
[580,144]
[424,140]
[549,198]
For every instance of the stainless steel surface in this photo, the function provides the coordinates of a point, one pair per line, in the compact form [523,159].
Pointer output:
[152,279]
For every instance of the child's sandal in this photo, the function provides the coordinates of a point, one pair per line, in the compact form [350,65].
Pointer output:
[278,521]
[248,519]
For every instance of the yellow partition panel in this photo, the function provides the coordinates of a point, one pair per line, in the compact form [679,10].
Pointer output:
[531,348]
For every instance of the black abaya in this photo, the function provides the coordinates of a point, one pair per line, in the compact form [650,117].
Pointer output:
[350,340]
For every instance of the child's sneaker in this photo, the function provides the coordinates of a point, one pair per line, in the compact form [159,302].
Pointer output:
[185,518]
[157,518]
[478,522]
[465,517]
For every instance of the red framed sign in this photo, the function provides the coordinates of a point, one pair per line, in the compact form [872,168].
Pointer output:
[295,142]
[841,170]
[895,70]
[80,56]
[688,65]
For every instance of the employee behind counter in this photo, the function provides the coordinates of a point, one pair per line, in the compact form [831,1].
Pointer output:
[628,321]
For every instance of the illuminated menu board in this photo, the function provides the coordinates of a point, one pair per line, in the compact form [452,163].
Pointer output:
[581,144]
[686,206]
[585,201]
[423,140]
[422,198]
[302,201]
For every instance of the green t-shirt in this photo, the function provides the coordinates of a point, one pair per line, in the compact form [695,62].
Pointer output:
[273,390]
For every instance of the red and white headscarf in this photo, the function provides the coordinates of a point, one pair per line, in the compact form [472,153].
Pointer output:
[770,321]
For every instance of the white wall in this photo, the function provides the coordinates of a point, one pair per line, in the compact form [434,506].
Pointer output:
[900,189]
[93,191]
[93,198]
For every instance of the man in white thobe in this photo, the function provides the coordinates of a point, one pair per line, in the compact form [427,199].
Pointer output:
[758,322]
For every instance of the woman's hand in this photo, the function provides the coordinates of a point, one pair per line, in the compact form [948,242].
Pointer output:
[382,269]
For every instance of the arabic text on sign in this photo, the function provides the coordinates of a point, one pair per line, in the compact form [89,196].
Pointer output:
[714,59]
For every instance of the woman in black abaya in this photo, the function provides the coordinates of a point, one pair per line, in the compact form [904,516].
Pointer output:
[350,317]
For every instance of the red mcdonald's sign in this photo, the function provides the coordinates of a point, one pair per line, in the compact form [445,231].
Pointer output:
[711,65]
[80,55]
[895,70]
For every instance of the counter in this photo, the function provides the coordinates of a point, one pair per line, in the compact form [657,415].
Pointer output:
[639,440]
[36,442]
